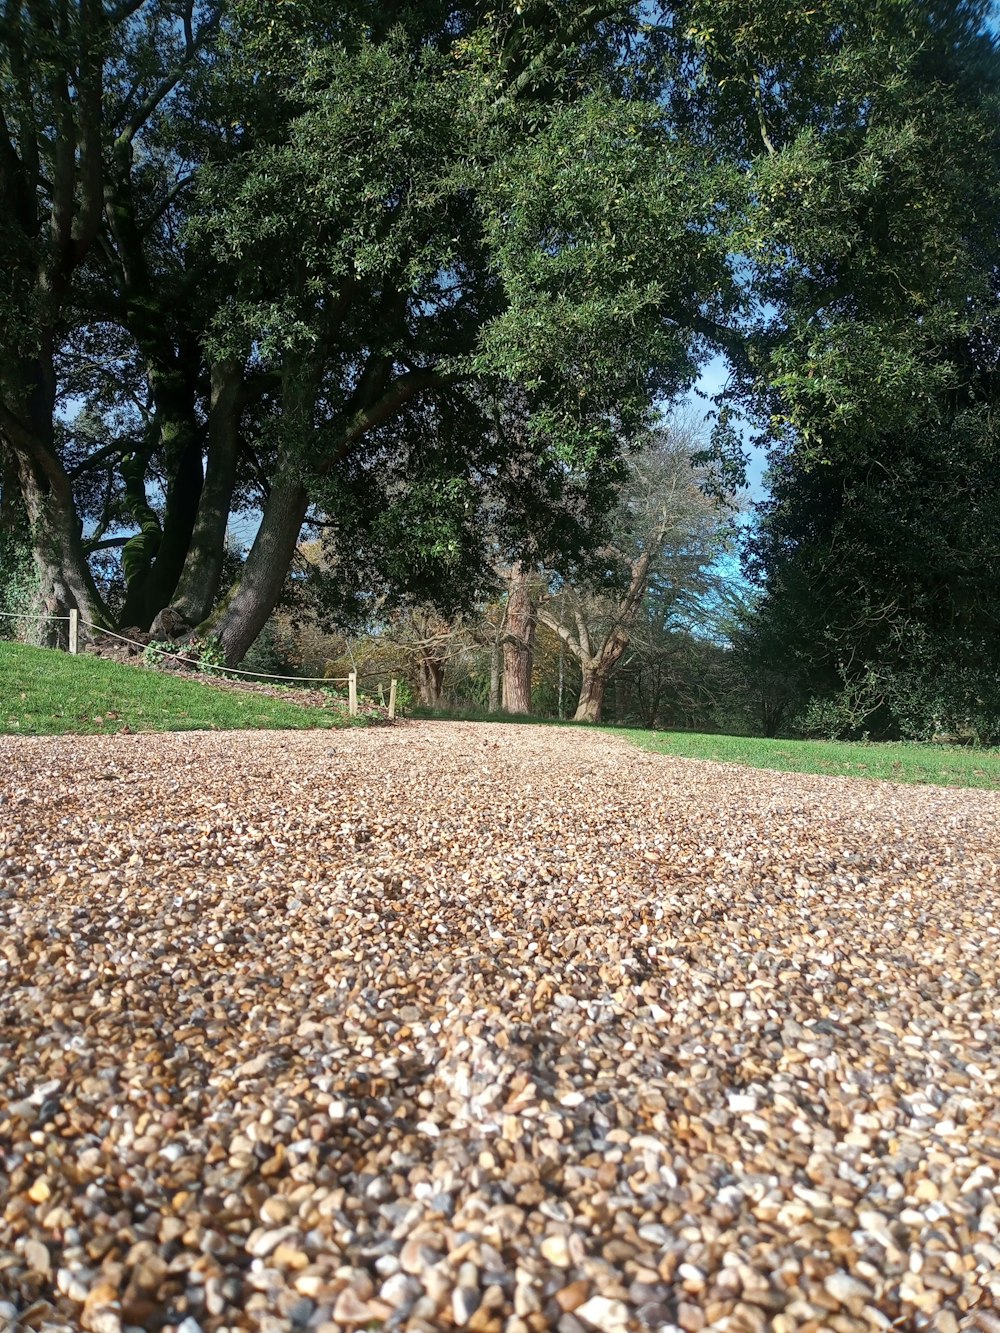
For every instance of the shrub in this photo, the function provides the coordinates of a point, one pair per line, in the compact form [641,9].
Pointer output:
[198,655]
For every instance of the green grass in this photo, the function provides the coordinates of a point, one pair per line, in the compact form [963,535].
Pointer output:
[48,693]
[946,765]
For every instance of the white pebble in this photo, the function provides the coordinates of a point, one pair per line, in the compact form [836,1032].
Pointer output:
[607,1315]
[844,1288]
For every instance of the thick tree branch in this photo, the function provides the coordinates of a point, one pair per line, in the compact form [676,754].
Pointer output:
[758,93]
[257,385]
[63,173]
[371,384]
[399,392]
[28,128]
[108,543]
[583,635]
[556,625]
[560,41]
[257,468]
[11,174]
[124,11]
[731,341]
[95,460]
[171,197]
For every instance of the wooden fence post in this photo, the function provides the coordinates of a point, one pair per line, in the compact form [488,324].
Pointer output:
[392,697]
[74,630]
[352,693]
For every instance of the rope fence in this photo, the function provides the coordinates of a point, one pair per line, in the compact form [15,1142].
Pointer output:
[39,618]
[234,671]
[30,615]
[74,621]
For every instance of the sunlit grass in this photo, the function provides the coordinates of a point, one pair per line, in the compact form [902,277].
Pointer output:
[946,765]
[47,693]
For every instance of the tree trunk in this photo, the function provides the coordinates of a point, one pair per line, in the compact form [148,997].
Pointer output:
[178,524]
[597,668]
[431,681]
[244,613]
[140,551]
[65,580]
[591,700]
[518,642]
[199,582]
[597,671]
[154,561]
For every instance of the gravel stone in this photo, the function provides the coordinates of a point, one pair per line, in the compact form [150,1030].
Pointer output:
[504,1028]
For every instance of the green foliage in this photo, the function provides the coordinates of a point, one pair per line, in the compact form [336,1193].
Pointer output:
[846,715]
[675,679]
[880,569]
[958,701]
[469,203]
[155,653]
[764,679]
[211,656]
[405,695]
[204,655]
[872,236]
[919,699]
[402,228]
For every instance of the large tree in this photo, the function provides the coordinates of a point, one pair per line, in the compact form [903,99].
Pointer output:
[455,207]
[870,252]
[518,641]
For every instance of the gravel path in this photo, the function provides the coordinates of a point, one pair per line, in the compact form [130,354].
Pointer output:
[510,1029]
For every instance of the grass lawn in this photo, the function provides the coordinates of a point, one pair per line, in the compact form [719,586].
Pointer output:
[47,693]
[946,765]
